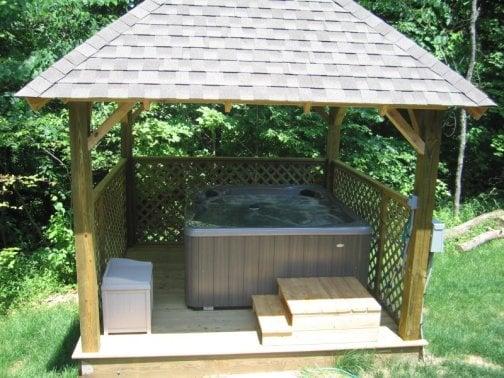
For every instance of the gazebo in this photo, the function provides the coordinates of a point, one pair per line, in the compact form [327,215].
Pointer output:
[320,55]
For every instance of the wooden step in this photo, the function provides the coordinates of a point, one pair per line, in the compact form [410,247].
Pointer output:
[320,337]
[329,303]
[271,316]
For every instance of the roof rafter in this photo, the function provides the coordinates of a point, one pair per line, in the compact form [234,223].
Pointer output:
[477,113]
[37,103]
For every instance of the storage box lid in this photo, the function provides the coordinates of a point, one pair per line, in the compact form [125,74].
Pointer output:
[127,274]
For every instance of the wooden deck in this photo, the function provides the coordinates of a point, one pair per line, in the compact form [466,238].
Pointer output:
[184,338]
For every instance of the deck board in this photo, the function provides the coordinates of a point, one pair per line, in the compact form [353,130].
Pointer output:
[178,331]
[271,315]
[321,295]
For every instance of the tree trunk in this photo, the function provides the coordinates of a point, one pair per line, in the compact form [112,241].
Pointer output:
[463,228]
[463,114]
[481,239]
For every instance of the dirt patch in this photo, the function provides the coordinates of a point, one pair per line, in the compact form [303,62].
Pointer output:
[55,299]
[480,361]
[430,359]
[16,367]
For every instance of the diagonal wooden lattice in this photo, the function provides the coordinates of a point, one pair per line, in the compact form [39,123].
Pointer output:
[387,212]
[163,185]
[110,216]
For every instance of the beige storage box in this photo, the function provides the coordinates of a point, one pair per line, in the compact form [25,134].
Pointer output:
[127,296]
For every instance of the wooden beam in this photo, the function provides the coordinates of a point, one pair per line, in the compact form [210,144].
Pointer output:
[241,364]
[405,129]
[336,117]
[307,107]
[127,153]
[321,112]
[419,244]
[146,104]
[83,213]
[255,102]
[127,136]
[105,127]
[227,106]
[476,113]
[413,120]
[37,103]
[135,115]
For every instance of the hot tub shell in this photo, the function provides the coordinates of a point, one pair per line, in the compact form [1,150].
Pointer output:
[225,266]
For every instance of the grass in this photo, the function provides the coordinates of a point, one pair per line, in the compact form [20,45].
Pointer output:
[38,341]
[464,320]
[465,304]
[448,368]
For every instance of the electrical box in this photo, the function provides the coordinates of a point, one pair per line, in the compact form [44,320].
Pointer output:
[127,296]
[437,241]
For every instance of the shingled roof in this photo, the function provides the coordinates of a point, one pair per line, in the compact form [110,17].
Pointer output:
[255,51]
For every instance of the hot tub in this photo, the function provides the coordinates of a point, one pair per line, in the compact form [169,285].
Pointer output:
[240,239]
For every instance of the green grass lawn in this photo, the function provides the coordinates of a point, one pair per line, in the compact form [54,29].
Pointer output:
[464,321]
[39,341]
[464,324]
[465,304]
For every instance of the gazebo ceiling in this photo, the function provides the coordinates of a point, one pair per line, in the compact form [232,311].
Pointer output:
[254,51]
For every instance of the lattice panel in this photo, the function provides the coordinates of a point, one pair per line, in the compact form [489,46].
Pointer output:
[387,212]
[110,219]
[365,201]
[392,263]
[164,185]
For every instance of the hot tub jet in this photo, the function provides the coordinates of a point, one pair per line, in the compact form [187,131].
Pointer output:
[254,207]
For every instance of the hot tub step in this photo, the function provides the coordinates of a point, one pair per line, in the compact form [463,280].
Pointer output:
[339,336]
[328,303]
[271,316]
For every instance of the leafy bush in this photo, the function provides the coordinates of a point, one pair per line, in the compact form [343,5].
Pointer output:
[28,275]
[58,257]
[12,270]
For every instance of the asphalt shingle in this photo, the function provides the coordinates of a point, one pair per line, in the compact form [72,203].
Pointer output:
[321,51]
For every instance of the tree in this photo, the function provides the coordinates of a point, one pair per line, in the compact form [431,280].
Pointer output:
[463,114]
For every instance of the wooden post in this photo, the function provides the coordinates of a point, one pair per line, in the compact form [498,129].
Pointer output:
[336,116]
[127,153]
[83,209]
[419,245]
